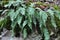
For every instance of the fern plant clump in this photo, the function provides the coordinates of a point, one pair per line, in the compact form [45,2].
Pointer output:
[22,17]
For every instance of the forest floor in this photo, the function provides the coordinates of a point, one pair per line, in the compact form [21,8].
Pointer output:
[7,36]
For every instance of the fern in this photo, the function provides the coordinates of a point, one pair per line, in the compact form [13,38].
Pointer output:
[24,16]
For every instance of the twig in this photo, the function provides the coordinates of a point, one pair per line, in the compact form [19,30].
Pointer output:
[3,34]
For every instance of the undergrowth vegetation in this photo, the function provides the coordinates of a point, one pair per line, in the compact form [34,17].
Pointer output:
[26,18]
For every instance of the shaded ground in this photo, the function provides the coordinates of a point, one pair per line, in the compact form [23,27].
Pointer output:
[7,36]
